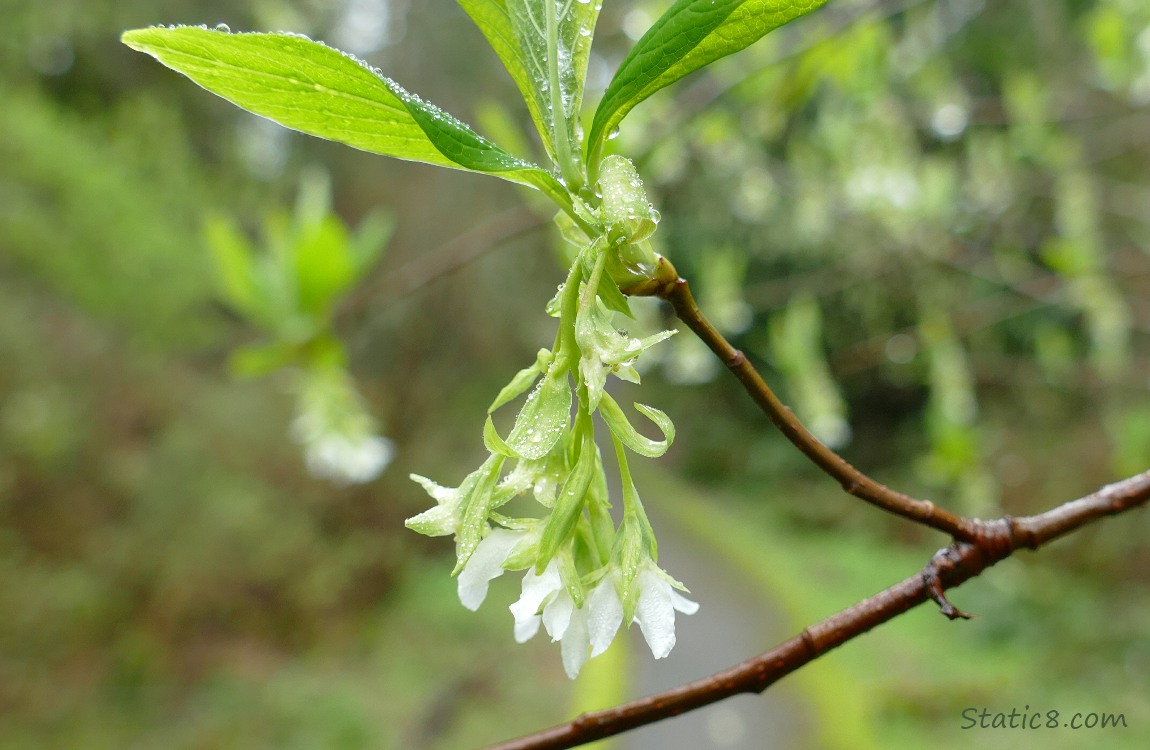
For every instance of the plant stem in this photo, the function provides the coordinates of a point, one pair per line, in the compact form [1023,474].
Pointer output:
[996,541]
[667,285]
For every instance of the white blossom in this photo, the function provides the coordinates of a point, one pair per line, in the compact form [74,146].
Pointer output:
[657,604]
[582,631]
[486,564]
[348,460]
[605,350]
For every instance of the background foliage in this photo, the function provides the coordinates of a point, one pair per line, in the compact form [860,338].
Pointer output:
[927,220]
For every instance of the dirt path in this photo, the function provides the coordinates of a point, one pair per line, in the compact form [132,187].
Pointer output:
[734,622]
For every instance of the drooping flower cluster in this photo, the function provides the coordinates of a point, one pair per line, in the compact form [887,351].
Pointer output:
[585,576]
[338,435]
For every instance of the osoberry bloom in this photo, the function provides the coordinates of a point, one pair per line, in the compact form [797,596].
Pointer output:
[582,631]
[657,603]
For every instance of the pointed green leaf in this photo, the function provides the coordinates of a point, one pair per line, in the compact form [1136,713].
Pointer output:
[519,384]
[518,32]
[324,267]
[233,255]
[310,87]
[690,35]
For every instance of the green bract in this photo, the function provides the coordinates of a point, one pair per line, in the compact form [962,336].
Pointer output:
[585,575]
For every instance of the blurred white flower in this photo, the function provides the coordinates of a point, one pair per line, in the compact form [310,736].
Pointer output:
[337,433]
[346,460]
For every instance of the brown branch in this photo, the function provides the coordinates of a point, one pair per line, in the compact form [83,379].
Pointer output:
[669,286]
[444,260]
[951,567]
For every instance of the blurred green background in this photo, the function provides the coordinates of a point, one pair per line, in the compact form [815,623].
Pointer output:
[928,223]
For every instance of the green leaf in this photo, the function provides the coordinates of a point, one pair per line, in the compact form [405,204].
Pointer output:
[518,32]
[310,87]
[689,36]
[494,442]
[519,384]
[324,266]
[370,240]
[233,255]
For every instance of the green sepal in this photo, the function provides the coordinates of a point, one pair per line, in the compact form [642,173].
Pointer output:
[569,574]
[622,428]
[474,508]
[523,554]
[569,504]
[494,442]
[522,381]
[629,554]
[544,417]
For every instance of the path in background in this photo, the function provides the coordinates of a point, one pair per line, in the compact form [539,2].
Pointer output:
[733,623]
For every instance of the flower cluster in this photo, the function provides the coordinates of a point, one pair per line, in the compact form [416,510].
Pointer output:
[338,435]
[585,576]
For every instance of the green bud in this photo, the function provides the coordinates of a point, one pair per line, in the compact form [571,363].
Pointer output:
[626,213]
[569,504]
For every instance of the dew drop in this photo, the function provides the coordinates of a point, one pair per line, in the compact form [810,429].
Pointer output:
[613,134]
[223,27]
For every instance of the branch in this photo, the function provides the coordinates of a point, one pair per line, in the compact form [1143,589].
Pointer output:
[444,260]
[949,568]
[669,286]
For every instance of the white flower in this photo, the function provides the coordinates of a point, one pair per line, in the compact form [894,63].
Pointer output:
[541,476]
[486,564]
[605,350]
[337,433]
[655,610]
[590,628]
[346,460]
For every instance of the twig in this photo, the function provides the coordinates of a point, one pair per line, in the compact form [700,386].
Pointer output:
[669,286]
[446,259]
[962,561]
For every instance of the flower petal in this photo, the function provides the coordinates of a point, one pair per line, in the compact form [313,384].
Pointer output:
[557,615]
[604,615]
[536,590]
[683,604]
[574,647]
[655,613]
[485,565]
